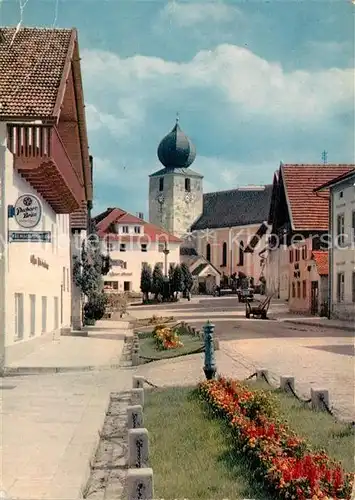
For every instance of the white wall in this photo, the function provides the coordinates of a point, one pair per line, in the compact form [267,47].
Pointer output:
[22,277]
[134,257]
[343,259]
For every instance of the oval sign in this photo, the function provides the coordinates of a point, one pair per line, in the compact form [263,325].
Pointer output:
[28,211]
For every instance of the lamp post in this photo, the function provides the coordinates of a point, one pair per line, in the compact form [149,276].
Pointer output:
[210,363]
[166,252]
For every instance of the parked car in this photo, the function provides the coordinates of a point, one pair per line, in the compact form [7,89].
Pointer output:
[245,294]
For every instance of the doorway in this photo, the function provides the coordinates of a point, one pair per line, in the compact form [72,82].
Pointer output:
[314,297]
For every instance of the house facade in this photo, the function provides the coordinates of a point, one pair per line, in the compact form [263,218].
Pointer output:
[130,241]
[296,268]
[46,183]
[342,248]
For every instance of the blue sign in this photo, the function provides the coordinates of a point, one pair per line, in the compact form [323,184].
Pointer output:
[30,237]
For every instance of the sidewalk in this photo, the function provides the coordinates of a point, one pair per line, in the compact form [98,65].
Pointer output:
[347,326]
[50,422]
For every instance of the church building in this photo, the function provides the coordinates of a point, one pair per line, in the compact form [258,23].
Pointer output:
[220,230]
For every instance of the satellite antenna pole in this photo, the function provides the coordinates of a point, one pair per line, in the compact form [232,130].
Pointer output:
[325,157]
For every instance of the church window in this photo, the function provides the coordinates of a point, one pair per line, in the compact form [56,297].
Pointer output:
[224,254]
[161,184]
[208,252]
[241,253]
[188,185]
[122,247]
[144,247]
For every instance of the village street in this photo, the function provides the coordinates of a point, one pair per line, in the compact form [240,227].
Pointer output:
[317,356]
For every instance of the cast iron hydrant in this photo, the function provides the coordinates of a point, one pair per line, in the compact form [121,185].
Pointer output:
[210,363]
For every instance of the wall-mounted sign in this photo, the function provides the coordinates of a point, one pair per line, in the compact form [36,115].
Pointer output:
[30,237]
[36,261]
[27,211]
[119,274]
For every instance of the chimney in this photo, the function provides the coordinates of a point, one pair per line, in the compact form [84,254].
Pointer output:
[140,215]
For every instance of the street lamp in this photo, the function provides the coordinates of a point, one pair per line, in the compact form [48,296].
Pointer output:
[166,252]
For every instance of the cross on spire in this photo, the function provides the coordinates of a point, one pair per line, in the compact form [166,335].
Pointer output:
[177,117]
[325,157]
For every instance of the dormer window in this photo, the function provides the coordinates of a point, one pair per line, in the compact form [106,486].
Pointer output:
[137,229]
[125,229]
[188,185]
[341,194]
[161,184]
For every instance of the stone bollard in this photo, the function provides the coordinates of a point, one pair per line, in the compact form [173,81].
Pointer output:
[140,484]
[285,382]
[262,375]
[317,403]
[135,358]
[138,382]
[134,417]
[193,331]
[137,397]
[210,363]
[138,448]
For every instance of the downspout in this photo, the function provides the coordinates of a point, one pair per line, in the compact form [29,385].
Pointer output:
[330,256]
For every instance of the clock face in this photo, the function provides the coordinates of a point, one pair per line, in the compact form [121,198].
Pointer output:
[188,197]
[160,198]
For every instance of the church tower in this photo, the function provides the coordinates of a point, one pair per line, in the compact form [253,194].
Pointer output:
[175,191]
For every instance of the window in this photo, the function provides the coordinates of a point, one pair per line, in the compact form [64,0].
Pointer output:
[353,226]
[144,247]
[161,184]
[137,229]
[188,185]
[293,290]
[122,247]
[125,229]
[304,253]
[109,247]
[115,285]
[56,313]
[304,289]
[291,256]
[341,194]
[340,287]
[224,254]
[298,289]
[353,286]
[63,279]
[241,253]
[208,252]
[44,314]
[53,238]
[297,255]
[127,286]
[32,315]
[340,230]
[19,316]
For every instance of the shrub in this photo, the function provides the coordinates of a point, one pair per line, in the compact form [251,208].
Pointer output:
[95,308]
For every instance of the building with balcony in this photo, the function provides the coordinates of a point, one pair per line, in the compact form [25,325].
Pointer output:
[46,183]
[130,241]
[297,262]
[342,248]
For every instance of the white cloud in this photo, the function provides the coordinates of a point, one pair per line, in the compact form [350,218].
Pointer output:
[190,14]
[241,80]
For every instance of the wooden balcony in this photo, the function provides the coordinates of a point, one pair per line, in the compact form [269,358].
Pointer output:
[42,160]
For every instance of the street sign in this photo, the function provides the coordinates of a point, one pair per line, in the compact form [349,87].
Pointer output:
[30,237]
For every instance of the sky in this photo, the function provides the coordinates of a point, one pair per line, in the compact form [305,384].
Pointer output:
[255,83]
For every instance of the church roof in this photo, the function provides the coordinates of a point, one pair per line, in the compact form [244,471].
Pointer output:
[176,150]
[236,207]
[186,172]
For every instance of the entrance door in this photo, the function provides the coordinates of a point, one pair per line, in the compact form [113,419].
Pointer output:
[314,297]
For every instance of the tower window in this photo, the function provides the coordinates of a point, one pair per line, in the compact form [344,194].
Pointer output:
[241,253]
[161,184]
[224,254]
[188,185]
[208,252]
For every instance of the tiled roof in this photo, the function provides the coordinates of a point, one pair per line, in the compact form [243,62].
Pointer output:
[309,210]
[199,269]
[237,207]
[348,176]
[32,70]
[117,215]
[321,259]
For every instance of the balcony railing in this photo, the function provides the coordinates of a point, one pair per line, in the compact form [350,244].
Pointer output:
[34,142]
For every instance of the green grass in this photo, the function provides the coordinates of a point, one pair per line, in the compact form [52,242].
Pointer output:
[192,453]
[318,428]
[149,351]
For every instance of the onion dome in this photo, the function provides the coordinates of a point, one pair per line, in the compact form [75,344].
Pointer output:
[176,150]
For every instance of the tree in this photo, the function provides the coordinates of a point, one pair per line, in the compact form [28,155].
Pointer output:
[157,280]
[146,280]
[186,278]
[177,280]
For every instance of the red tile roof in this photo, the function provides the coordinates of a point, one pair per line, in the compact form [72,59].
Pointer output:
[308,209]
[117,215]
[32,70]
[321,259]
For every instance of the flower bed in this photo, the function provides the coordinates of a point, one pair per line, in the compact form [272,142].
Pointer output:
[166,338]
[283,461]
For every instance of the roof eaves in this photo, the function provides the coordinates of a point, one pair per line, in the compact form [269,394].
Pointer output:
[335,181]
[65,75]
[287,198]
